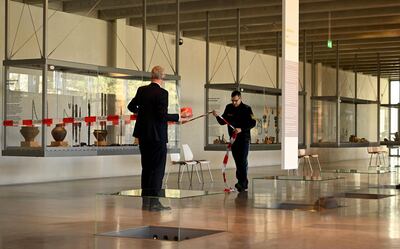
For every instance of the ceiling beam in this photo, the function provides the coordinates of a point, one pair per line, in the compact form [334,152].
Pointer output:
[276,21]
[186,7]
[272,41]
[198,19]
[271,28]
[81,5]
[306,6]
[354,35]
[327,53]
[346,46]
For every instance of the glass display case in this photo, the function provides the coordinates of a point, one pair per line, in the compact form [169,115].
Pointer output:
[298,193]
[80,109]
[128,214]
[344,122]
[266,104]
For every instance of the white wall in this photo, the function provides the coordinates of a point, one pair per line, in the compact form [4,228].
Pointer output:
[94,42]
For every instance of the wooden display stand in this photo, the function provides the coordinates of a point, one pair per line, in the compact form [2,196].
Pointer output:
[29,144]
[59,144]
[100,143]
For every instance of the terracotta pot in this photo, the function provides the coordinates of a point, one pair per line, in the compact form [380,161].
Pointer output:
[100,135]
[59,133]
[29,133]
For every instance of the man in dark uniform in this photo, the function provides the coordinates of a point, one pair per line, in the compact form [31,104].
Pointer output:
[241,117]
[151,106]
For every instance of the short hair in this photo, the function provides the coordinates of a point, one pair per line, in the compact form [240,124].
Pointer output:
[157,73]
[236,93]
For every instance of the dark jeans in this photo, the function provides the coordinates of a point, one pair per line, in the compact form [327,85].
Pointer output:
[240,151]
[153,157]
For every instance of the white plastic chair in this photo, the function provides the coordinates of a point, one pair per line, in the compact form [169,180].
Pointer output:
[377,152]
[176,160]
[188,154]
[302,155]
[384,152]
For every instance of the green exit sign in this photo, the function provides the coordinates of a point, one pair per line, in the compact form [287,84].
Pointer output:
[329,44]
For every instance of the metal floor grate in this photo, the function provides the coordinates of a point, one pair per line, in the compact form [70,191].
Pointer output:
[161,233]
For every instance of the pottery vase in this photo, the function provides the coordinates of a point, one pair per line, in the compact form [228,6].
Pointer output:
[29,133]
[59,133]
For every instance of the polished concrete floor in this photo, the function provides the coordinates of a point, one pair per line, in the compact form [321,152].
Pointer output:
[63,214]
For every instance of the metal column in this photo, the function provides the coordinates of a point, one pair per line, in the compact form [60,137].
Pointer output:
[44,73]
[355,95]
[238,48]
[312,93]
[177,37]
[6,54]
[144,35]
[337,96]
[304,86]
[207,74]
[378,98]
[277,86]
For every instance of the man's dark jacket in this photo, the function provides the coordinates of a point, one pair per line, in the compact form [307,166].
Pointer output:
[151,106]
[239,117]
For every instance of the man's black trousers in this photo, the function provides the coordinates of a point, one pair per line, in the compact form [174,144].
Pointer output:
[153,157]
[240,151]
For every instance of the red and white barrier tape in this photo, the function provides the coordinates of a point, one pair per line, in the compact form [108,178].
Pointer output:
[90,120]
[226,157]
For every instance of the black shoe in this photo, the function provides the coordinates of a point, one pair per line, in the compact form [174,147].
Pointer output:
[145,203]
[240,188]
[158,207]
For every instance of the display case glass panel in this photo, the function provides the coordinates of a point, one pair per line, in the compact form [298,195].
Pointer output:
[347,84]
[367,87]
[367,122]
[347,121]
[358,123]
[324,121]
[23,97]
[266,104]
[85,111]
[384,123]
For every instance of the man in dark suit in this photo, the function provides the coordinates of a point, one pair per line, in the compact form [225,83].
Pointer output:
[151,106]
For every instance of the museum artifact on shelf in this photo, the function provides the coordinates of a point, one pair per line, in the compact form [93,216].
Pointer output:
[29,133]
[59,133]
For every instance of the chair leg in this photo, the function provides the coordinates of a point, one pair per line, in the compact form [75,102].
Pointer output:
[319,165]
[379,159]
[370,160]
[209,171]
[197,173]
[309,164]
[201,173]
[298,165]
[180,174]
[382,155]
[189,175]
[383,159]
[166,178]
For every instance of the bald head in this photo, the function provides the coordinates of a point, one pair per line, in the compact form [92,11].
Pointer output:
[157,73]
